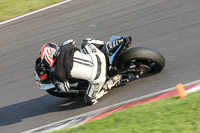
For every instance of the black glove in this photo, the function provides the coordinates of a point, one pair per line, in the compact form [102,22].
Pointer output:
[63,86]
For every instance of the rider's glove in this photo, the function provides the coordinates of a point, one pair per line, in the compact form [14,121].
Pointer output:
[63,86]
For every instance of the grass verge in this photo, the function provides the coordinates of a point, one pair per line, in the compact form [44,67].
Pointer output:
[13,8]
[171,115]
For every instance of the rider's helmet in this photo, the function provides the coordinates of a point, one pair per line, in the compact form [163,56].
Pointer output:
[49,53]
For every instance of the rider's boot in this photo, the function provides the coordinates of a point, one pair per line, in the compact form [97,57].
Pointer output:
[94,92]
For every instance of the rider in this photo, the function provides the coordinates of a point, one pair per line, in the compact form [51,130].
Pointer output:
[70,62]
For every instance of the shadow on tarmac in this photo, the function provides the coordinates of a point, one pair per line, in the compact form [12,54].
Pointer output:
[15,113]
[43,105]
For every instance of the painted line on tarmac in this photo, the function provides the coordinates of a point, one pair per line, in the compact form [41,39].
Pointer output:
[194,89]
[28,14]
[83,118]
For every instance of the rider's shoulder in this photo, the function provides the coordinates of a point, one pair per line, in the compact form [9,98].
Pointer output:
[69,42]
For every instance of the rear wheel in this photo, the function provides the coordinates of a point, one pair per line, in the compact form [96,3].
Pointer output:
[141,61]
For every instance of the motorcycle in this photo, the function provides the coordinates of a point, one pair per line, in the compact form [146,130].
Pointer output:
[124,61]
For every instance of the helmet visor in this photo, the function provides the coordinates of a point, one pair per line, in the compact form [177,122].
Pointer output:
[40,70]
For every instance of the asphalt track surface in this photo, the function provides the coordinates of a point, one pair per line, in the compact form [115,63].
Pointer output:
[169,26]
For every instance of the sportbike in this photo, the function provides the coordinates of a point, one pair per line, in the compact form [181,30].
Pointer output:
[122,64]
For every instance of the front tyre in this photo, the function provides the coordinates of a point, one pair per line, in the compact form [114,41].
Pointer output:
[141,61]
[56,93]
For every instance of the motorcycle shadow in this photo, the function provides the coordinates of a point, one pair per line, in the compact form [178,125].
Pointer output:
[46,104]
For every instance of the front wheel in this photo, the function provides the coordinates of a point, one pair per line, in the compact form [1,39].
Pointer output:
[56,93]
[141,61]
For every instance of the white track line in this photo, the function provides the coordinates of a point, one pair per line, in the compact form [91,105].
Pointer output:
[194,89]
[22,16]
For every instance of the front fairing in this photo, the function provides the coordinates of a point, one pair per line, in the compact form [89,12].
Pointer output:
[41,85]
[45,86]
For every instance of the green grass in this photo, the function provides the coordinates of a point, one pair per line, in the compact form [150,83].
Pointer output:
[171,115]
[13,8]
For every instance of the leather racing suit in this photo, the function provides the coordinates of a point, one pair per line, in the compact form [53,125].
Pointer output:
[88,64]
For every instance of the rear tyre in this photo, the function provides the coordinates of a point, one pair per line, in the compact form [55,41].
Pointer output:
[141,61]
